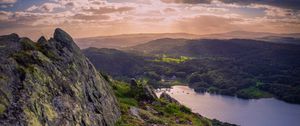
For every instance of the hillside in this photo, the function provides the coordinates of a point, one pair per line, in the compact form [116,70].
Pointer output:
[236,67]
[115,62]
[127,40]
[140,107]
[50,82]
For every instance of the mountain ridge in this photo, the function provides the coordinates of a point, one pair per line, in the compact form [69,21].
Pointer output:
[128,40]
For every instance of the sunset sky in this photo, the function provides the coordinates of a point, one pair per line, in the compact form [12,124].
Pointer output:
[83,18]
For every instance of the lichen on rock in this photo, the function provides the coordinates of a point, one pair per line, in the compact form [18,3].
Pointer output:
[50,82]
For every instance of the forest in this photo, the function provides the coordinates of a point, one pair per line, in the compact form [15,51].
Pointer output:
[247,69]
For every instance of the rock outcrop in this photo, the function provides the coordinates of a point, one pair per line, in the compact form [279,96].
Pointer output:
[144,92]
[167,97]
[51,83]
[149,92]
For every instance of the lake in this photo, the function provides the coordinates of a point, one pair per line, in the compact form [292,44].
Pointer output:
[261,112]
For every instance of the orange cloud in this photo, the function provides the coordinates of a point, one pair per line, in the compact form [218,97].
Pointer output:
[99,17]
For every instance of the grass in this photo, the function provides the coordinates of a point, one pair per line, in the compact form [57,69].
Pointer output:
[177,60]
[169,114]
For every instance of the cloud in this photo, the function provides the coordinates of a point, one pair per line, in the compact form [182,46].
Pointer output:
[105,17]
[91,17]
[187,1]
[205,24]
[109,9]
[46,7]
[290,4]
[170,10]
[7,1]
[6,5]
[4,16]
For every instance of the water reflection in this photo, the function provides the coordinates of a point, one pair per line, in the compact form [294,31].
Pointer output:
[262,112]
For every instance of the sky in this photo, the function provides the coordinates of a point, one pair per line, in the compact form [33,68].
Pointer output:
[85,18]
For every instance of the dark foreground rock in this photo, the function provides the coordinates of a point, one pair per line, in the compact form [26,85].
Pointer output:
[51,83]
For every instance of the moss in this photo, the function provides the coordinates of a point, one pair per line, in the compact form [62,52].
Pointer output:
[43,58]
[50,112]
[2,108]
[3,77]
[40,75]
[4,98]
[23,58]
[77,90]
[27,44]
[87,120]
[31,118]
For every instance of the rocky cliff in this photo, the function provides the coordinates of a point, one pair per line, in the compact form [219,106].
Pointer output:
[50,82]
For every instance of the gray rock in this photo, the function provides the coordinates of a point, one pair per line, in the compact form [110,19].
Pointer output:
[148,108]
[149,92]
[42,40]
[52,85]
[63,39]
[62,36]
[135,112]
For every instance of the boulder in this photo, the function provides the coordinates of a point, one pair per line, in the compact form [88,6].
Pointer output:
[149,93]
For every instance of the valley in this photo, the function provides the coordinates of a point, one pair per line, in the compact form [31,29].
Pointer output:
[244,68]
[51,82]
[149,62]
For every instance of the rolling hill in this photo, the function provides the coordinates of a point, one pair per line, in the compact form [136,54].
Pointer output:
[128,40]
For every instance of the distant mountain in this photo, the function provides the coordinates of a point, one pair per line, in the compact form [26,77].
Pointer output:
[211,47]
[159,45]
[127,40]
[236,34]
[246,35]
[279,39]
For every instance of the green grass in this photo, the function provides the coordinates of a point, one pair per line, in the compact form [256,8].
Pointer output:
[170,114]
[177,60]
[253,92]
